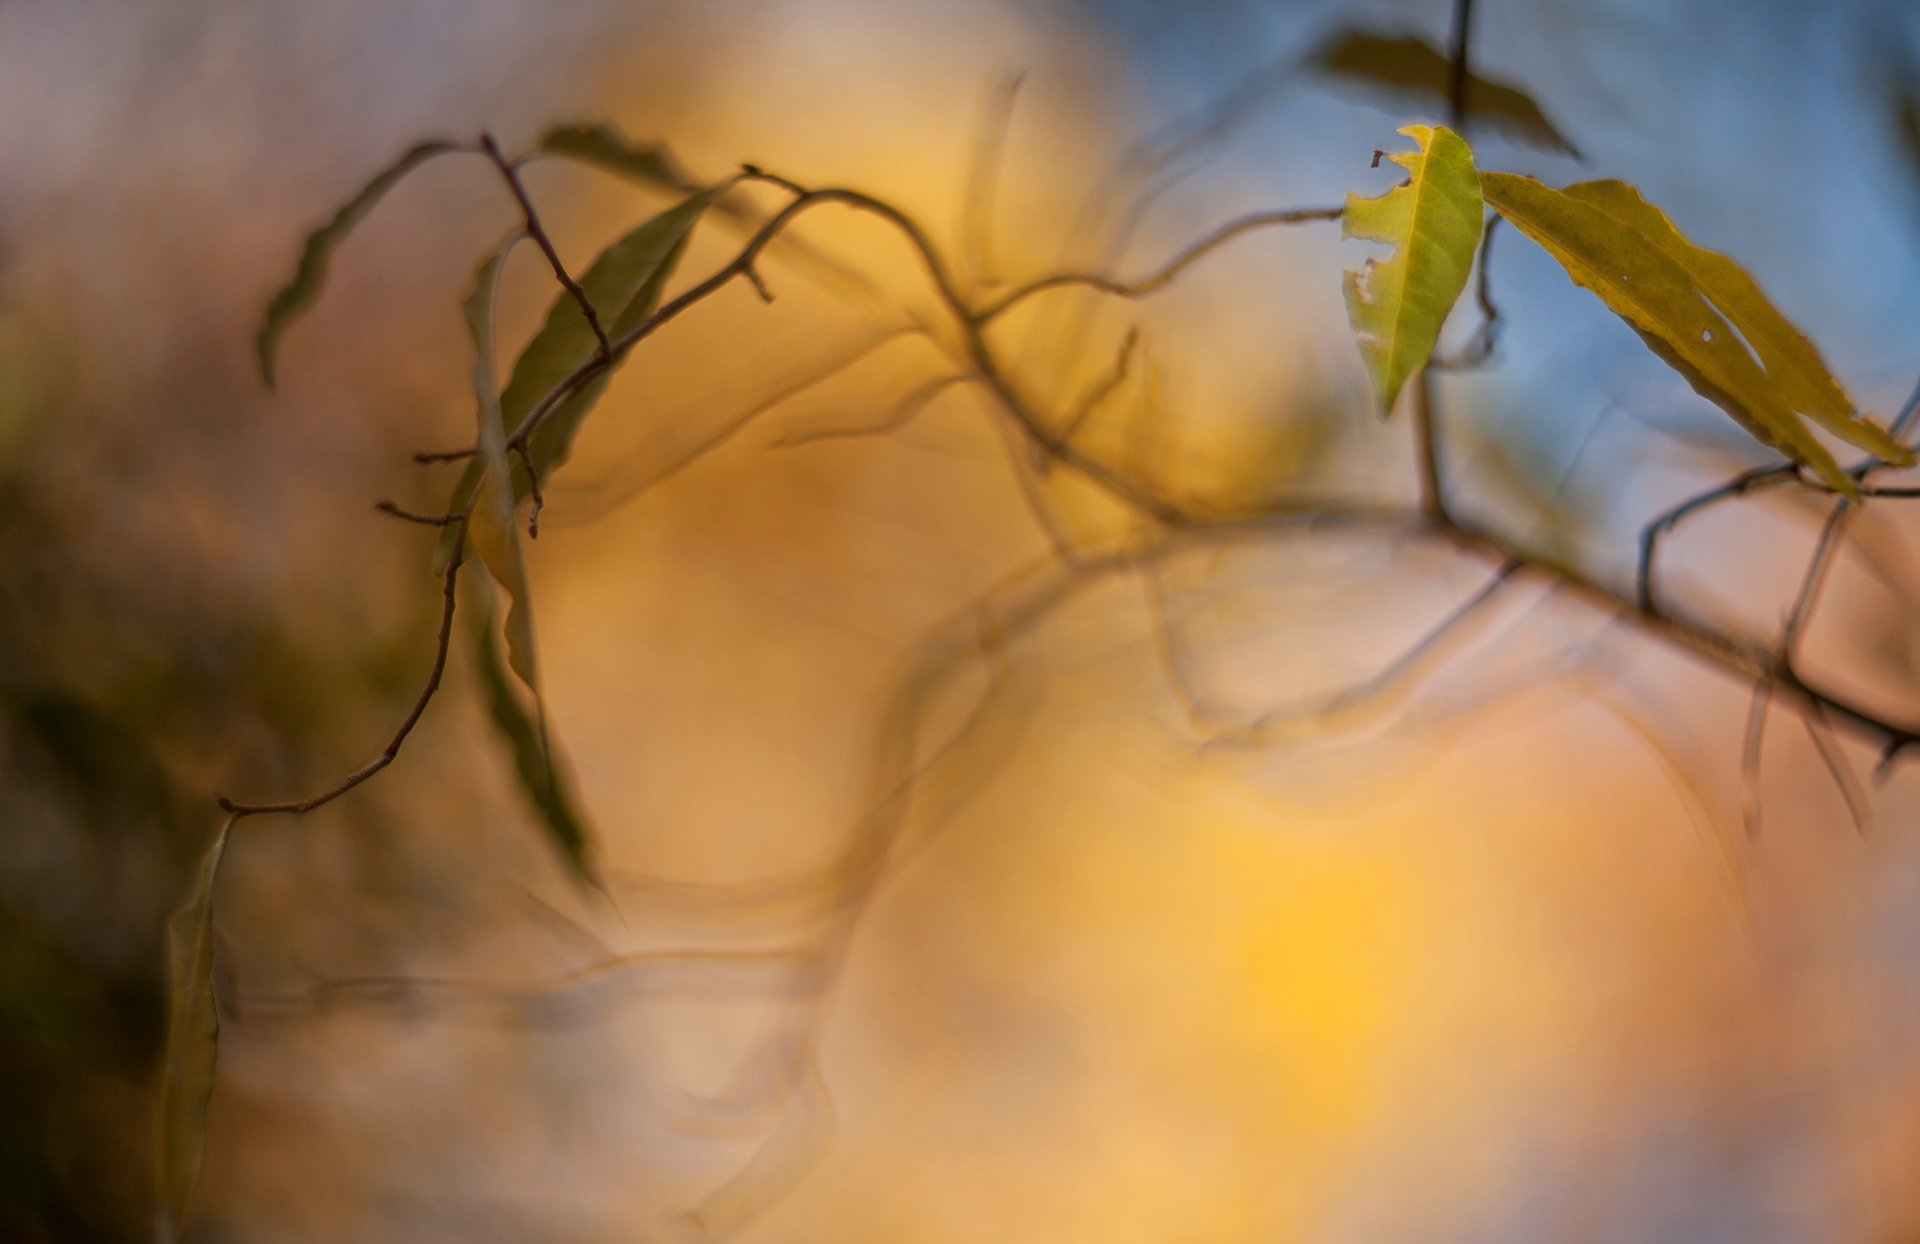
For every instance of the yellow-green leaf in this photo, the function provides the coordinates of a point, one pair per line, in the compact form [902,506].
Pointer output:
[1651,283]
[1791,361]
[1432,221]
[193,1031]
[1410,66]
[311,273]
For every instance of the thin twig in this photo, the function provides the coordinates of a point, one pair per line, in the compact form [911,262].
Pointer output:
[1102,388]
[1160,277]
[449,581]
[538,233]
[1859,803]
[533,491]
[1753,741]
[903,413]
[1651,535]
[983,180]
[428,520]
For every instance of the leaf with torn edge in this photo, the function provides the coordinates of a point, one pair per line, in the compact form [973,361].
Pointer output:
[1432,221]
[526,734]
[311,273]
[494,531]
[193,1031]
[1410,66]
[624,284]
[1698,311]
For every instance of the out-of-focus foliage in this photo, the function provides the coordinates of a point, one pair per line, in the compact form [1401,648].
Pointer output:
[1408,67]
[651,164]
[193,1035]
[311,274]
[1398,305]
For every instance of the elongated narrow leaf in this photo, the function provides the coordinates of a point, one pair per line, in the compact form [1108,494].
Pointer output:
[1398,304]
[193,1032]
[495,534]
[624,284]
[492,527]
[1790,360]
[1410,66]
[531,743]
[1641,280]
[605,147]
[300,292]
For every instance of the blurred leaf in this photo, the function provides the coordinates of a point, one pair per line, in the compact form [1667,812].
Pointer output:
[1409,65]
[311,273]
[193,1031]
[624,284]
[495,533]
[1397,305]
[605,147]
[1641,280]
[1906,116]
[526,734]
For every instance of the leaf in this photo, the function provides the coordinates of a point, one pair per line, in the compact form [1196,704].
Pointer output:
[311,273]
[495,534]
[1650,281]
[533,754]
[624,284]
[193,1031]
[492,528]
[1397,305]
[1409,65]
[1791,361]
[605,147]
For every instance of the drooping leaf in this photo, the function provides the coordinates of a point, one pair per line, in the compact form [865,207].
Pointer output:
[531,742]
[1432,221]
[1408,65]
[193,1031]
[624,284]
[492,528]
[604,146]
[1670,292]
[311,273]
[494,532]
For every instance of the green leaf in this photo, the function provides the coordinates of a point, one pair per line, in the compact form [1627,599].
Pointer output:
[311,273]
[1408,65]
[1432,221]
[533,752]
[193,1031]
[605,147]
[1680,300]
[624,284]
[494,532]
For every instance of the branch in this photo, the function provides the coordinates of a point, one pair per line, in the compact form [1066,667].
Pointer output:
[538,233]
[449,581]
[1161,277]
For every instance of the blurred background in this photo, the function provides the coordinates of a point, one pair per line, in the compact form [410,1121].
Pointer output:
[1494,959]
